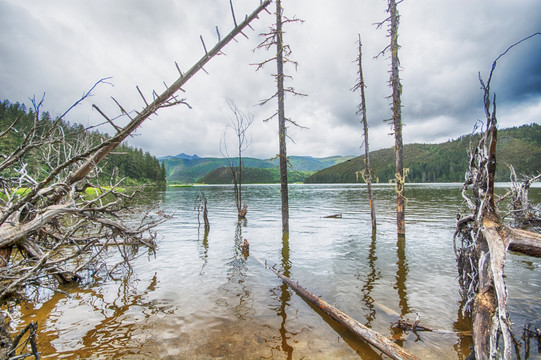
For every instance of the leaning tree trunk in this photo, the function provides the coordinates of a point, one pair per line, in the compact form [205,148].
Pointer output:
[362,109]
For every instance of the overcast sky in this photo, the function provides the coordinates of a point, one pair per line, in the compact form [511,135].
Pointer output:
[62,47]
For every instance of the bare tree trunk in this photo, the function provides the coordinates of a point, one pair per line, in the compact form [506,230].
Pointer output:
[239,203]
[523,212]
[205,215]
[275,38]
[397,120]
[362,108]
[239,125]
[282,118]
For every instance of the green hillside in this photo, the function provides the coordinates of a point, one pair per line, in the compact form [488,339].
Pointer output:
[308,163]
[125,162]
[445,162]
[191,170]
[252,175]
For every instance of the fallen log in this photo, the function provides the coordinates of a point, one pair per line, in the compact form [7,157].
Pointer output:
[522,241]
[333,216]
[366,334]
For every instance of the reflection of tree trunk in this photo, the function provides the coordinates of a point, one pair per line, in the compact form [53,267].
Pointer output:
[204,256]
[463,323]
[371,278]
[128,298]
[236,287]
[113,315]
[285,297]
[401,276]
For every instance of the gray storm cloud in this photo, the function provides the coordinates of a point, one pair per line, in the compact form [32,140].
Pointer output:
[61,48]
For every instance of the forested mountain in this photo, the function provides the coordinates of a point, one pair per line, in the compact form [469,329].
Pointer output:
[188,171]
[445,162]
[184,168]
[252,175]
[125,162]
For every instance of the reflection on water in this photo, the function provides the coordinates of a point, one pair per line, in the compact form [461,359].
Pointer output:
[285,296]
[371,278]
[401,275]
[201,298]
[400,286]
[65,321]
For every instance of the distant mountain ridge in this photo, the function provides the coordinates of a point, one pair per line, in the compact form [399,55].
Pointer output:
[188,169]
[444,162]
[180,156]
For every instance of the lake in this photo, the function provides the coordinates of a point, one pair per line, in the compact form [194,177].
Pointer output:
[200,298]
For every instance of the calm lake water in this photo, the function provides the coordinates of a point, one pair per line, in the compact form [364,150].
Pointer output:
[199,298]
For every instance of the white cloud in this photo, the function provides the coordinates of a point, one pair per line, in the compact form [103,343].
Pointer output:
[62,48]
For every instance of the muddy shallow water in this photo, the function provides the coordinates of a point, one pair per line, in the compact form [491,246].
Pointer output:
[200,298]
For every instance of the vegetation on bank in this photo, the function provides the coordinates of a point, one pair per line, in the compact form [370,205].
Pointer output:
[131,164]
[445,162]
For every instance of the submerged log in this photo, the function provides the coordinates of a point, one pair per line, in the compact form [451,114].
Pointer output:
[366,334]
[414,327]
[333,216]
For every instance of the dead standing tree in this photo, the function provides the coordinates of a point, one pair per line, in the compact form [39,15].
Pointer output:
[367,172]
[51,223]
[239,125]
[523,212]
[275,38]
[393,21]
[484,241]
